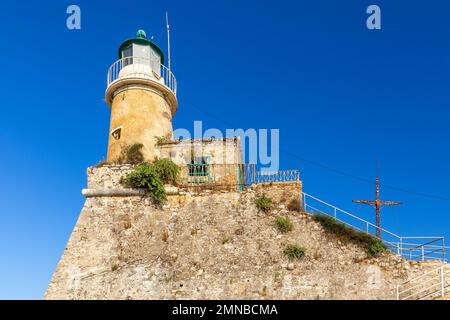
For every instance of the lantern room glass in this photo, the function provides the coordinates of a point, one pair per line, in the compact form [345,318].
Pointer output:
[127,55]
[142,54]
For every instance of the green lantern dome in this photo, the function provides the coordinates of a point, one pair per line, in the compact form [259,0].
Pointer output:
[141,38]
[140,34]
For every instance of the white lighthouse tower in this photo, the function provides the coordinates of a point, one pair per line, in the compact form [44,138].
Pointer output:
[141,92]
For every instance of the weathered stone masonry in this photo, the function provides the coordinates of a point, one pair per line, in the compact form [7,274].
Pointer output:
[211,245]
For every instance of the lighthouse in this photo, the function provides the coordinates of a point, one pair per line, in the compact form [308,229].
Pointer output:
[142,95]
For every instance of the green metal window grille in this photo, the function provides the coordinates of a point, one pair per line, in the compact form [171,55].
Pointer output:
[199,170]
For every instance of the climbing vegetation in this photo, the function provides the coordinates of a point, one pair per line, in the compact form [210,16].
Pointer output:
[151,178]
[167,170]
[344,233]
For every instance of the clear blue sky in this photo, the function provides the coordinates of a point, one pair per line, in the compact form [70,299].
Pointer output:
[341,95]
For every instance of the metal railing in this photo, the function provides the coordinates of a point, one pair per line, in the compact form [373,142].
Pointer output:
[239,175]
[431,285]
[206,175]
[251,176]
[413,248]
[277,176]
[137,67]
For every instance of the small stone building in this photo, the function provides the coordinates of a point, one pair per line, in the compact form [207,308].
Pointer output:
[206,161]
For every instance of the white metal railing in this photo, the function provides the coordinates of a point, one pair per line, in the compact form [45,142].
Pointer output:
[129,67]
[413,248]
[431,285]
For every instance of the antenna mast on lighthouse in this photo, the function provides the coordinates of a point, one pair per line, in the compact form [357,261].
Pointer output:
[168,40]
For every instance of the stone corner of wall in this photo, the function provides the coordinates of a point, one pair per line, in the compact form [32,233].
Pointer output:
[106,176]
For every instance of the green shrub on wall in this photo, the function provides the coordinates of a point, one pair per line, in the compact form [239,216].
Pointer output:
[294,251]
[374,245]
[167,170]
[283,224]
[151,177]
[145,177]
[263,203]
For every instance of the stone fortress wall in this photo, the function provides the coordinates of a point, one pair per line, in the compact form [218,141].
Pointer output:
[211,245]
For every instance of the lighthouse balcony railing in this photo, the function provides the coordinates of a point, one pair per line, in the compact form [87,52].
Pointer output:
[138,67]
